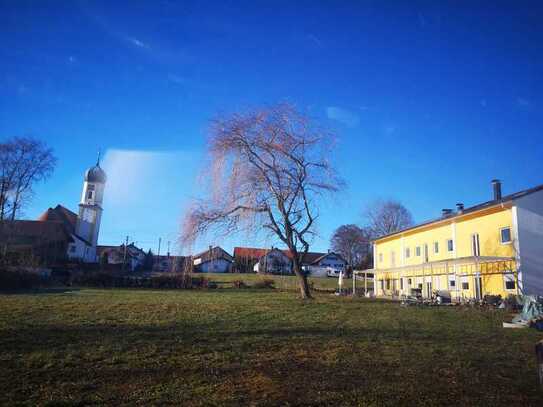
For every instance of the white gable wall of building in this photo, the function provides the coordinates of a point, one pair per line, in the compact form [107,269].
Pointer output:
[80,250]
[214,266]
[332,261]
[528,211]
[275,262]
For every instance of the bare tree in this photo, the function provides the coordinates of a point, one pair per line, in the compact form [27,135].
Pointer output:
[269,168]
[353,243]
[385,217]
[23,162]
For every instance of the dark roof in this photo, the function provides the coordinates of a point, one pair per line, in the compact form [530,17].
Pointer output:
[213,254]
[35,232]
[471,209]
[60,214]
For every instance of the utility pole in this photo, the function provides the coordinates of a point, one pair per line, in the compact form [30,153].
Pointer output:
[124,257]
[158,256]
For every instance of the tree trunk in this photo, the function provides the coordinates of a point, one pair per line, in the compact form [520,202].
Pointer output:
[302,279]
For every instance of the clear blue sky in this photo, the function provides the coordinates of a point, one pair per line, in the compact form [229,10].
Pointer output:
[430,100]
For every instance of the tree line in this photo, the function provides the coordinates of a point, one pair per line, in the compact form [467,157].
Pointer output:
[381,218]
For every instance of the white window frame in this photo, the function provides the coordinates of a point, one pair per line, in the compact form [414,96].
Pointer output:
[418,251]
[451,278]
[436,247]
[510,235]
[507,277]
[451,247]
[464,280]
[475,245]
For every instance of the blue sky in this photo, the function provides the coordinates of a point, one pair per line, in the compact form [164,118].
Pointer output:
[429,100]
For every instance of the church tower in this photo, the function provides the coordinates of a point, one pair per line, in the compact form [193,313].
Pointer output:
[90,207]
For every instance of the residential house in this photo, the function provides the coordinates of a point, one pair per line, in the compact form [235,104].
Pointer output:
[213,260]
[277,261]
[171,264]
[324,264]
[130,255]
[495,247]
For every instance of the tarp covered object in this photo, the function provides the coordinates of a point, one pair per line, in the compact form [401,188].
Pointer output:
[532,308]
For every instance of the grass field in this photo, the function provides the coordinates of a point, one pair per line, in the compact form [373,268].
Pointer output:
[224,280]
[256,347]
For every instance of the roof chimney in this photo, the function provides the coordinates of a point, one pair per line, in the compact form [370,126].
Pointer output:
[446,212]
[460,207]
[497,188]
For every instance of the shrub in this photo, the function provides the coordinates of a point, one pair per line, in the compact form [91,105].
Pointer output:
[512,303]
[162,281]
[266,283]
[20,280]
[239,284]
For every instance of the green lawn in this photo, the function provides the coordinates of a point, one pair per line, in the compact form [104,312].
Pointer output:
[259,347]
[281,282]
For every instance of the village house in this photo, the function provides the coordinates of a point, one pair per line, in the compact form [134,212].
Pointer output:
[213,260]
[276,261]
[130,255]
[495,247]
[67,235]
[171,264]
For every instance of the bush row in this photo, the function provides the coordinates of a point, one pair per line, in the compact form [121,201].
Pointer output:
[107,280]
[20,280]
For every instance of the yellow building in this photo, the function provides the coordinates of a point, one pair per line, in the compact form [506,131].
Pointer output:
[492,248]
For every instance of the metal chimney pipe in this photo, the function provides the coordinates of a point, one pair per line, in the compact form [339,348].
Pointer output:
[446,212]
[460,207]
[497,189]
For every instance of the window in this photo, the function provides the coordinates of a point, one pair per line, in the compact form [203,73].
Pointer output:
[380,257]
[436,247]
[450,245]
[509,280]
[409,281]
[407,253]
[401,283]
[452,283]
[475,248]
[388,284]
[465,283]
[89,194]
[505,235]
[417,251]
[382,284]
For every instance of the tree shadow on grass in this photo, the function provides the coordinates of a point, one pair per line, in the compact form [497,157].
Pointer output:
[41,291]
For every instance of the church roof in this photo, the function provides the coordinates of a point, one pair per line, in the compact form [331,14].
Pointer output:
[60,214]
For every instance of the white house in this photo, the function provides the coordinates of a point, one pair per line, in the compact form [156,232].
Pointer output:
[274,261]
[213,260]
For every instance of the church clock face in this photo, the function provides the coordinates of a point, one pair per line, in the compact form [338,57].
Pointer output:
[88,215]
